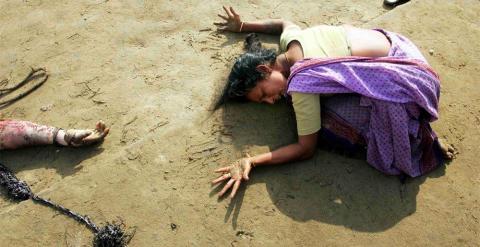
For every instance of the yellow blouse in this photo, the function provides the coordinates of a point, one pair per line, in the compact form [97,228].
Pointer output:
[317,42]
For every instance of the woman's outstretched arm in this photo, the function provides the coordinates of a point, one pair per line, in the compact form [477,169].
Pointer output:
[303,149]
[240,170]
[233,23]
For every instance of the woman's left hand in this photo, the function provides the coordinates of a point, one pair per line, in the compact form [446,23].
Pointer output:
[236,172]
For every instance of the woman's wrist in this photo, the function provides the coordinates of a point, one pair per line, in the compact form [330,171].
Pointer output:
[251,161]
[241,27]
[254,161]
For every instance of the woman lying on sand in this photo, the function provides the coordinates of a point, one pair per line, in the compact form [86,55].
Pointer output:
[16,134]
[378,93]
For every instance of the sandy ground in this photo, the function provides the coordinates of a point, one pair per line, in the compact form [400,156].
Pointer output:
[150,69]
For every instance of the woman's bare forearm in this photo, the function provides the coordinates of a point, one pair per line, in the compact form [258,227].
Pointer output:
[270,26]
[284,154]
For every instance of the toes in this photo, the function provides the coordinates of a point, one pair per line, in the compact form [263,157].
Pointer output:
[101,134]
[100,126]
[101,130]
[449,155]
[448,150]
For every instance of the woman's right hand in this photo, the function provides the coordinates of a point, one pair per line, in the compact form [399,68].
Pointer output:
[235,173]
[231,22]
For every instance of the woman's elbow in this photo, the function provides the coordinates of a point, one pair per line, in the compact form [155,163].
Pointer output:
[308,152]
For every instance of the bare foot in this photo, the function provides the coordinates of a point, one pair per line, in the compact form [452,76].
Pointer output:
[447,149]
[78,138]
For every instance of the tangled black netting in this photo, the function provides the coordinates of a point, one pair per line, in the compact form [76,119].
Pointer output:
[110,235]
[17,190]
[34,74]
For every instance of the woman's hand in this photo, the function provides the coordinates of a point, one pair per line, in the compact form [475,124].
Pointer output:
[236,172]
[231,22]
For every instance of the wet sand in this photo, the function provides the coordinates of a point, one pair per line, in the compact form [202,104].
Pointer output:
[150,70]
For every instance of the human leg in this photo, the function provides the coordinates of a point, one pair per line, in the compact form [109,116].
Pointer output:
[16,134]
[346,125]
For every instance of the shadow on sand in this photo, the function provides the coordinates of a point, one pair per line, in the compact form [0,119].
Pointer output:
[63,159]
[328,188]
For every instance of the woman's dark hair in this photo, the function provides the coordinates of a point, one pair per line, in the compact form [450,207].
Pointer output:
[244,75]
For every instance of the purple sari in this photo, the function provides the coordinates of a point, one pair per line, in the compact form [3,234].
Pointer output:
[384,104]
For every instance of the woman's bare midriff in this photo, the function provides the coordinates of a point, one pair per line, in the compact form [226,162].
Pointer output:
[367,42]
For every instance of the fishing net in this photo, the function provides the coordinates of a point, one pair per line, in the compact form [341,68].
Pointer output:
[110,235]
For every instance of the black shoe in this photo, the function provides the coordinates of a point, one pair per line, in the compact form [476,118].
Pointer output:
[394,3]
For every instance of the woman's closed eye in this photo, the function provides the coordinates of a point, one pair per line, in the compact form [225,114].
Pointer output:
[262,97]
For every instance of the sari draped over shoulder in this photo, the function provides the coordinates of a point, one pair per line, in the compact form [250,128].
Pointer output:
[384,104]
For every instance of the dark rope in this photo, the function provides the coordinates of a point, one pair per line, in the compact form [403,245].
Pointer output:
[80,218]
[110,235]
[30,77]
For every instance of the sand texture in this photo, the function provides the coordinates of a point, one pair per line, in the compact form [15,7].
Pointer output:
[150,70]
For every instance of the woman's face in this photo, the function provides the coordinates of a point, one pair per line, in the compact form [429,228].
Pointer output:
[270,89]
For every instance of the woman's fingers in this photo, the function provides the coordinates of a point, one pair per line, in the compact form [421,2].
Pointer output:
[235,188]
[228,12]
[220,23]
[226,187]
[221,178]
[223,169]
[223,17]
[233,11]
[246,172]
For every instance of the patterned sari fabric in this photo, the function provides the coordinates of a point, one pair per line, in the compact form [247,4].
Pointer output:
[384,104]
